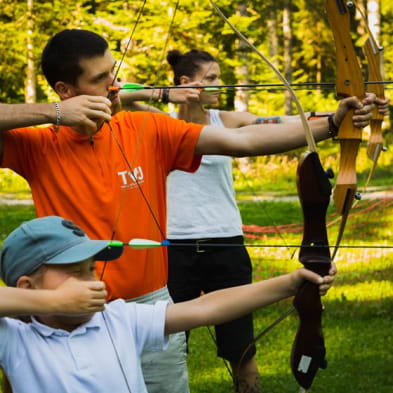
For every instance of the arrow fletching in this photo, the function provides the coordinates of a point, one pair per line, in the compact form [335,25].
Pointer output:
[211,89]
[115,243]
[144,243]
[132,86]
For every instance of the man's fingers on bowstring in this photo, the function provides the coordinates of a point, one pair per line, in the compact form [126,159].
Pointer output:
[83,109]
[100,107]
[95,113]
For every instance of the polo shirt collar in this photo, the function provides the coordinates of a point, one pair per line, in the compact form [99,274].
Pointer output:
[47,331]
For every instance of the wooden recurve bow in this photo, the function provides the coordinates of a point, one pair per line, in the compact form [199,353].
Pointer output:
[349,82]
[373,53]
[308,354]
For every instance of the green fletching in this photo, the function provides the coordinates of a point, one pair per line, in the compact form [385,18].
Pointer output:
[132,86]
[211,89]
[115,243]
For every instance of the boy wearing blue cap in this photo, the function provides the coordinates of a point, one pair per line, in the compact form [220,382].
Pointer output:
[90,351]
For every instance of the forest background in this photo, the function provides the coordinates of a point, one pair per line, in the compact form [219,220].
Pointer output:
[293,34]
[296,37]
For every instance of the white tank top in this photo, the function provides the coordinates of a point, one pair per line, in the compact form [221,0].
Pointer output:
[202,204]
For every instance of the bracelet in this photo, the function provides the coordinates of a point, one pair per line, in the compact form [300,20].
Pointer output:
[165,95]
[332,129]
[58,116]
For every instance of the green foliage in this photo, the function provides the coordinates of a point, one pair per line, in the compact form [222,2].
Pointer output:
[192,25]
[12,183]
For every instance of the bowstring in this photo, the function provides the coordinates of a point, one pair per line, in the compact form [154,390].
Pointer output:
[109,96]
[130,164]
[308,134]
[140,12]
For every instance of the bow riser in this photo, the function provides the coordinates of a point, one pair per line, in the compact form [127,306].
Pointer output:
[314,190]
[349,82]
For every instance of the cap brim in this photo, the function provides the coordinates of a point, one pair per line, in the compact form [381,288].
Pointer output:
[100,249]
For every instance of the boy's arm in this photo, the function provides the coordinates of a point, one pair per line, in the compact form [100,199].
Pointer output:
[72,297]
[225,305]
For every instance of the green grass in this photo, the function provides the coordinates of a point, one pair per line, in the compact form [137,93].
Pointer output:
[358,310]
[12,216]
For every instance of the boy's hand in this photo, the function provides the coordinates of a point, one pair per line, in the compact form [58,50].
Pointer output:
[324,282]
[78,297]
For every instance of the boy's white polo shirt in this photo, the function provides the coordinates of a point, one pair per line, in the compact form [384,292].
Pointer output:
[40,359]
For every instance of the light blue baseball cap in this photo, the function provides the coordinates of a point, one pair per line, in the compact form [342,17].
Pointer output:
[49,240]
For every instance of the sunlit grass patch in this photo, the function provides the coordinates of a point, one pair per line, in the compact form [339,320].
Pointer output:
[362,291]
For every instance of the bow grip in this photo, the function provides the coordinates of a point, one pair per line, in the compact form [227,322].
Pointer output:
[314,189]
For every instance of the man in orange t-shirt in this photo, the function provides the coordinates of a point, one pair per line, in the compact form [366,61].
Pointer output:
[110,178]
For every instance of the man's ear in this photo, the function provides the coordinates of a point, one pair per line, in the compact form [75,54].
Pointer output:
[25,282]
[64,90]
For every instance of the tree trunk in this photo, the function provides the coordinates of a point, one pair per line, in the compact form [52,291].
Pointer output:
[374,18]
[272,35]
[242,95]
[287,33]
[30,84]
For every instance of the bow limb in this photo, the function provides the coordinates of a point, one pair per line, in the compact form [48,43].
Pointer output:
[308,133]
[308,353]
[349,82]
[373,54]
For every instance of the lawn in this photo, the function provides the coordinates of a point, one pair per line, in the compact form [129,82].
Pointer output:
[358,310]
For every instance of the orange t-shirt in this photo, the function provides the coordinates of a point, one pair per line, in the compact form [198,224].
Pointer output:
[91,184]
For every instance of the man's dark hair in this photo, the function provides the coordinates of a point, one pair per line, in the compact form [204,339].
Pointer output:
[62,54]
